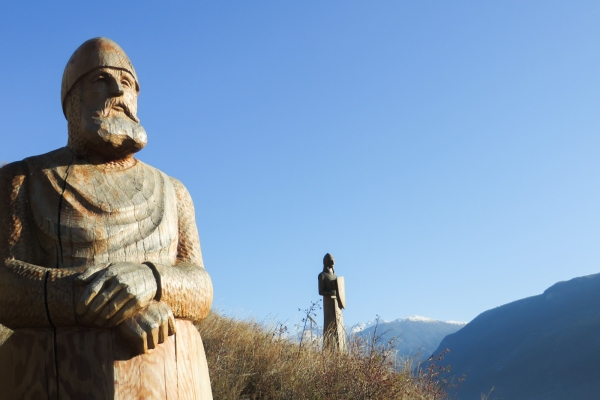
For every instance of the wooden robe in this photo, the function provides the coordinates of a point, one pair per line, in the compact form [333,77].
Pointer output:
[60,215]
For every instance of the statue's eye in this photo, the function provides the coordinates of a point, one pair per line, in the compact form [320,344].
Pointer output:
[99,78]
[126,83]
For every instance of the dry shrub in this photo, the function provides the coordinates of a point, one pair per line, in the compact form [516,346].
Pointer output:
[250,361]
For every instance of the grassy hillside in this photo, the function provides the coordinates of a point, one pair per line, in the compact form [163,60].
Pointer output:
[248,361]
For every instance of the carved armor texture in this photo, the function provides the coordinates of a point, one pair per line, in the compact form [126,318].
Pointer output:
[65,215]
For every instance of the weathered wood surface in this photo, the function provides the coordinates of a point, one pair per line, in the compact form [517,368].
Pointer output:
[106,215]
[193,376]
[27,369]
[333,329]
[99,253]
[97,365]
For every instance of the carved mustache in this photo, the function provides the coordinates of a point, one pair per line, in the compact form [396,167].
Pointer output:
[118,104]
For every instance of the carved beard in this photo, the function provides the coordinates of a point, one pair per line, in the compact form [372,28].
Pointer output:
[108,133]
[116,136]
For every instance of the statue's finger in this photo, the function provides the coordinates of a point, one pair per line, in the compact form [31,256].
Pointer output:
[106,294]
[172,324]
[89,273]
[113,306]
[130,308]
[163,330]
[163,318]
[150,324]
[153,335]
[90,293]
[142,344]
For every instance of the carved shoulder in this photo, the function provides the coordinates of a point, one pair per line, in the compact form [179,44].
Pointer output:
[188,249]
[11,177]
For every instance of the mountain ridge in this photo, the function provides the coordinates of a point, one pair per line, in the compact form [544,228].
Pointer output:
[541,347]
[413,318]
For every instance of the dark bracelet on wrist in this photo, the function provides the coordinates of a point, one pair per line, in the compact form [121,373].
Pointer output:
[156,278]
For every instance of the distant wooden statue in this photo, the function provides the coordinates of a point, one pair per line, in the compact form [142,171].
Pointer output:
[101,275]
[333,290]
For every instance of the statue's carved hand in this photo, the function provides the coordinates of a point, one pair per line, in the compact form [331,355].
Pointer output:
[114,293]
[149,327]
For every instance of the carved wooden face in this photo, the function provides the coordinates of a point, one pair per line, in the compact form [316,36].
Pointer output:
[108,106]
[328,261]
[110,87]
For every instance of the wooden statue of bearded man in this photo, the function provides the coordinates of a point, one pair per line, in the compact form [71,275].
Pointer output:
[101,275]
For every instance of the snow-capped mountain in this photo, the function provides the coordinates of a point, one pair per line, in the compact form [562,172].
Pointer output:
[411,336]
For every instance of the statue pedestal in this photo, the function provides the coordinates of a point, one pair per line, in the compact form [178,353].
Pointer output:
[95,364]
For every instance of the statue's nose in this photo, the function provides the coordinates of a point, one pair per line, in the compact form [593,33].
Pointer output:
[116,88]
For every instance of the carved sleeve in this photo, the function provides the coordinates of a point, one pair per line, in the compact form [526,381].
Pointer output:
[186,286]
[31,296]
[22,285]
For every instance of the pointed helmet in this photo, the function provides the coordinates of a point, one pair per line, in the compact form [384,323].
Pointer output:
[95,53]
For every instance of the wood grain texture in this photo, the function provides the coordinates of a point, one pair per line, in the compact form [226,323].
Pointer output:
[192,372]
[60,292]
[137,214]
[79,227]
[85,358]
[145,376]
[107,53]
[22,293]
[170,369]
[95,364]
[106,215]
[186,289]
[149,222]
[127,378]
[175,370]
[27,369]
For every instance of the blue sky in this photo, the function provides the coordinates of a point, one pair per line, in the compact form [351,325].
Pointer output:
[446,153]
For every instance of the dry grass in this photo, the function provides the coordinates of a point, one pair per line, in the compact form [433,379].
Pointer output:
[250,361]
